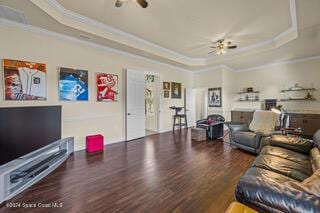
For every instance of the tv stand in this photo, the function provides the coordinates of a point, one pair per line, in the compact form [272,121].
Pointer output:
[20,174]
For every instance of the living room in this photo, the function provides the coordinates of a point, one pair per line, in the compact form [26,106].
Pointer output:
[257,65]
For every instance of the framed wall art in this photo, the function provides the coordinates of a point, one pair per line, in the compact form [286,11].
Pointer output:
[107,87]
[73,84]
[175,90]
[214,97]
[166,93]
[166,85]
[24,80]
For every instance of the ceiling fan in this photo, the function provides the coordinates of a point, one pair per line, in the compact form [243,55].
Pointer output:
[142,3]
[222,46]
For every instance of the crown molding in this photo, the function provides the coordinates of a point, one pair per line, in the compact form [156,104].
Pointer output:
[77,21]
[222,66]
[286,62]
[260,67]
[41,31]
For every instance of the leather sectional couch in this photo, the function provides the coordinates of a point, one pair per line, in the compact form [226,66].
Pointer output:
[285,177]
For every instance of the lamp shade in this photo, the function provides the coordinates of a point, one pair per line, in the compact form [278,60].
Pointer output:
[277,110]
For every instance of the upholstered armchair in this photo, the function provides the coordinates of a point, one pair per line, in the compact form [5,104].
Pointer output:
[214,126]
[250,137]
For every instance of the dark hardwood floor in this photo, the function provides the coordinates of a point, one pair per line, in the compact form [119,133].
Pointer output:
[160,173]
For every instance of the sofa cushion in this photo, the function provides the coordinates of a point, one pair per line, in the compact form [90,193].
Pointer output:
[316,139]
[246,138]
[286,154]
[264,121]
[283,166]
[315,159]
[294,143]
[310,185]
[267,191]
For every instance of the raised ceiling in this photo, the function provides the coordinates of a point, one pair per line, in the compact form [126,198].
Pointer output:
[179,32]
[188,26]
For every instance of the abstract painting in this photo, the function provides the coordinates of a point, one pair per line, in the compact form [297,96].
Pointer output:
[175,90]
[107,87]
[73,85]
[24,80]
[214,97]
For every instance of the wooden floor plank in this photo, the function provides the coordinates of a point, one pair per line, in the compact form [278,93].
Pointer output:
[159,173]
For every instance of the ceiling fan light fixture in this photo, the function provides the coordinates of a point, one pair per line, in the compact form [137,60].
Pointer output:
[142,3]
[222,45]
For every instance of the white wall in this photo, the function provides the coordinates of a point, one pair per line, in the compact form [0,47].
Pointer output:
[273,79]
[84,118]
[269,80]
[218,77]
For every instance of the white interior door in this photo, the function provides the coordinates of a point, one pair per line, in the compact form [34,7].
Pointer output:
[135,106]
[190,106]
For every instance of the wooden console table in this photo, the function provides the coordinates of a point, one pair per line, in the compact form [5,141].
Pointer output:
[308,122]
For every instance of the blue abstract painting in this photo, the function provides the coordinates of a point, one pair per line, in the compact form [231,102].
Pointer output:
[73,85]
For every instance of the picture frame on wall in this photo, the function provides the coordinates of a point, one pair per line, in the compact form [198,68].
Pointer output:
[107,87]
[176,90]
[73,84]
[214,97]
[24,80]
[166,85]
[166,93]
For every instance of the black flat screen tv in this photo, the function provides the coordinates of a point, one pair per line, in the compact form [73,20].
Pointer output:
[26,129]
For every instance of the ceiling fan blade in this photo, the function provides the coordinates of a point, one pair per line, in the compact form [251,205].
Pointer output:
[212,52]
[220,40]
[119,3]
[142,3]
[213,47]
[232,47]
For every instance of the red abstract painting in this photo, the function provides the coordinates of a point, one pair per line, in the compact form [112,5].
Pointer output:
[107,87]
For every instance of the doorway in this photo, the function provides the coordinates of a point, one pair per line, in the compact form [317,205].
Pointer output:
[135,104]
[152,103]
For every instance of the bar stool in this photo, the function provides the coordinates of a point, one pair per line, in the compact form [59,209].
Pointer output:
[179,117]
[180,124]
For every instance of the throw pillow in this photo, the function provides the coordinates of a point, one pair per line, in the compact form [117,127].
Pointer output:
[264,121]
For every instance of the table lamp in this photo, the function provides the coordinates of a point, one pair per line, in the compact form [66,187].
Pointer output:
[283,115]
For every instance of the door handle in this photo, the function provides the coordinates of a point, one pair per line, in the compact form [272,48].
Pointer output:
[128,113]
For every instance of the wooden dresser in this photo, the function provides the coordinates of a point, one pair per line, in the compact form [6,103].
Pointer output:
[309,123]
[239,116]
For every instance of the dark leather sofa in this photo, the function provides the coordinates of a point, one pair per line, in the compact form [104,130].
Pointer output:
[215,128]
[285,177]
[241,137]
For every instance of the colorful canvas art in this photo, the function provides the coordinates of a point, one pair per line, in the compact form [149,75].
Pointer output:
[107,87]
[24,80]
[73,85]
